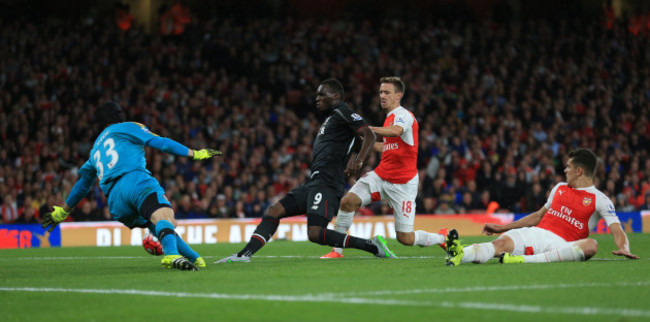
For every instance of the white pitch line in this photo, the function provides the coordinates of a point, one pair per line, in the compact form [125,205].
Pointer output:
[488,289]
[353,300]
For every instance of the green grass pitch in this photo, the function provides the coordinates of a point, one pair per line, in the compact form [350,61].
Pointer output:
[288,282]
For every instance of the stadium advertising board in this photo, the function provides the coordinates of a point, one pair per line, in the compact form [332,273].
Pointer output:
[212,231]
[645,218]
[27,236]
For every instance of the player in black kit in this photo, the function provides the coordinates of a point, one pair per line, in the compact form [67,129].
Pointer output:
[320,195]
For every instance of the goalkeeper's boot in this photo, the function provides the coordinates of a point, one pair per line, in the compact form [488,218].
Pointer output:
[443,232]
[178,262]
[333,254]
[234,259]
[455,251]
[199,262]
[507,258]
[382,248]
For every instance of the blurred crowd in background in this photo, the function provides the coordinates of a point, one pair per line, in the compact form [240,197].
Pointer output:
[499,103]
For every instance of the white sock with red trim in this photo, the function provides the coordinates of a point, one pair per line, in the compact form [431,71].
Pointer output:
[566,254]
[426,239]
[478,253]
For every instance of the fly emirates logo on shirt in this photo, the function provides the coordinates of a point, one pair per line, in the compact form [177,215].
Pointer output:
[391,146]
[565,213]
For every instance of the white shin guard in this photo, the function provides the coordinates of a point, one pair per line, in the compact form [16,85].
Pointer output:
[343,223]
[478,253]
[426,239]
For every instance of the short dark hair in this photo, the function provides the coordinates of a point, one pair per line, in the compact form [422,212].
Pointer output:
[585,159]
[109,113]
[335,86]
[396,81]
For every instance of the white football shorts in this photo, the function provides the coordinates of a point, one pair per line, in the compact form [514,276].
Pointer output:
[533,240]
[400,197]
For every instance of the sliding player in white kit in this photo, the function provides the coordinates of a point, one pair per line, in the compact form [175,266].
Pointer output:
[557,232]
[396,177]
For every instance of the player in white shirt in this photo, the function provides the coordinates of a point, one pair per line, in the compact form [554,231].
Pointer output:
[396,178]
[557,232]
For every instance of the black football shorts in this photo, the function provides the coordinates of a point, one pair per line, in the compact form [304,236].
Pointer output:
[314,199]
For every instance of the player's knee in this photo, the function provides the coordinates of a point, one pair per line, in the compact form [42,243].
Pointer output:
[163,214]
[589,247]
[350,202]
[313,233]
[498,243]
[503,245]
[275,210]
[407,239]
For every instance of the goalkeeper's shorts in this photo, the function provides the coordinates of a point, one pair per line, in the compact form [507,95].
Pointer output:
[134,198]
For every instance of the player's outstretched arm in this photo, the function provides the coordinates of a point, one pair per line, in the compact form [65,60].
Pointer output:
[491,228]
[528,221]
[388,131]
[55,217]
[620,238]
[203,154]
[170,146]
[88,175]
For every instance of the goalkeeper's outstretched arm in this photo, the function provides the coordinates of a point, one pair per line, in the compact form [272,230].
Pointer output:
[80,190]
[170,146]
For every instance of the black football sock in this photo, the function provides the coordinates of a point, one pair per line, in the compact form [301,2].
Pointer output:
[336,239]
[262,234]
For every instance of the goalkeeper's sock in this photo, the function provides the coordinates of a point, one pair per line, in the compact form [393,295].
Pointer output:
[185,250]
[478,253]
[566,254]
[261,236]
[336,239]
[167,237]
[426,239]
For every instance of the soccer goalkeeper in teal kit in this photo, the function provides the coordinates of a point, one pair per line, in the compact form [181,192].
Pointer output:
[135,198]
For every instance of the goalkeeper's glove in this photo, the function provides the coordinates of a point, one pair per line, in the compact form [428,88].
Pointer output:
[53,218]
[205,154]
